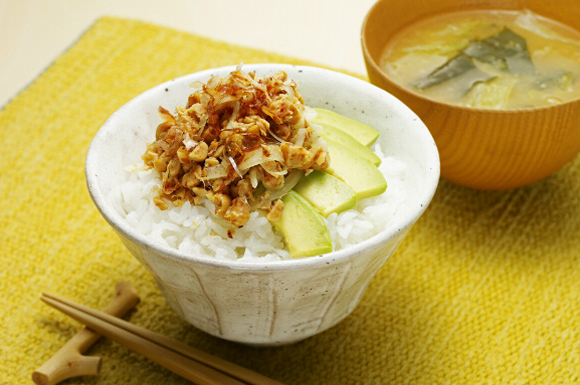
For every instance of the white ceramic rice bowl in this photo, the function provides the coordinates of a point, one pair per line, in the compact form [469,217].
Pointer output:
[255,302]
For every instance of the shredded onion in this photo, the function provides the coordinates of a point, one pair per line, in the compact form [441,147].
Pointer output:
[309,114]
[233,163]
[252,159]
[300,137]
[289,183]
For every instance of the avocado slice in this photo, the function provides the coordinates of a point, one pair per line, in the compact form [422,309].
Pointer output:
[326,192]
[360,174]
[303,227]
[331,132]
[366,135]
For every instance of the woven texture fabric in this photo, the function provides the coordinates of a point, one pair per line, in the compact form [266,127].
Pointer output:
[484,290]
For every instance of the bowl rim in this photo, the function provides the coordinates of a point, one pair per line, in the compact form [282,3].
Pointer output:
[123,228]
[370,60]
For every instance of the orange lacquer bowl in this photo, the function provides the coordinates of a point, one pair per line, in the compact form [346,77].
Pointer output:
[482,149]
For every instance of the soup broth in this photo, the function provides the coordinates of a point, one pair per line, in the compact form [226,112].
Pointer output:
[487,59]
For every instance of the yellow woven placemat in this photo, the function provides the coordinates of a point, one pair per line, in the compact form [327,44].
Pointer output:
[484,290]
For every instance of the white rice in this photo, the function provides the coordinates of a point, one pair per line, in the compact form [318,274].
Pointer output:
[194,230]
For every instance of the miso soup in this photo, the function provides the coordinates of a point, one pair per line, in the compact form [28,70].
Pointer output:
[487,59]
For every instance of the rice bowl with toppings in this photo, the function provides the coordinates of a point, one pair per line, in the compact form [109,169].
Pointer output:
[212,182]
[244,288]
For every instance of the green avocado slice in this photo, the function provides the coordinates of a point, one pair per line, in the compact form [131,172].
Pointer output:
[333,133]
[303,227]
[360,174]
[363,133]
[326,192]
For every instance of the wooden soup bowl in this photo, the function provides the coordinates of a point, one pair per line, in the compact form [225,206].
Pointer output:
[482,149]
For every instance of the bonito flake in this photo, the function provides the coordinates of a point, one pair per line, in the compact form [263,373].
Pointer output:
[241,141]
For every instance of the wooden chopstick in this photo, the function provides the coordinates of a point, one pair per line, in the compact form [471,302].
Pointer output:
[190,363]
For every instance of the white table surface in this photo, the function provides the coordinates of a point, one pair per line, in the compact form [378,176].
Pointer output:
[33,33]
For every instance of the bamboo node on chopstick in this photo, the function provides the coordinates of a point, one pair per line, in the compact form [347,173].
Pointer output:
[68,361]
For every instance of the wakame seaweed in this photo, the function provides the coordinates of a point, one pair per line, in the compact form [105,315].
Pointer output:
[452,68]
[562,79]
[506,51]
[458,66]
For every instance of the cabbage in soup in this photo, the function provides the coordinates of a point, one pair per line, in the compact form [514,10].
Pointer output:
[487,59]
